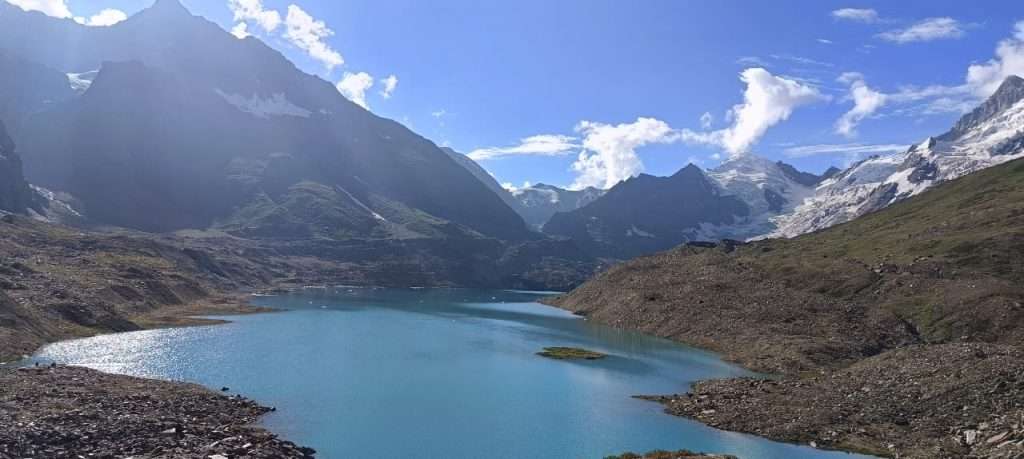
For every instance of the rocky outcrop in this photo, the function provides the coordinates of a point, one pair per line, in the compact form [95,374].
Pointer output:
[68,412]
[15,194]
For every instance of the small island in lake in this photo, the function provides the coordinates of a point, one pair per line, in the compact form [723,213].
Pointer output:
[570,353]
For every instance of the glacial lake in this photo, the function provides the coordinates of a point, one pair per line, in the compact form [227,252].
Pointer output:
[435,373]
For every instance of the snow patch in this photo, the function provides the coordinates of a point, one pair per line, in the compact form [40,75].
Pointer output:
[275,105]
[80,82]
[634,231]
[360,204]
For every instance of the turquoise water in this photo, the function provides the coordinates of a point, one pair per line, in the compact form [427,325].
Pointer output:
[433,373]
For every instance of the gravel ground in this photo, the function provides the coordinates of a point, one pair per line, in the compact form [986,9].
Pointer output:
[71,412]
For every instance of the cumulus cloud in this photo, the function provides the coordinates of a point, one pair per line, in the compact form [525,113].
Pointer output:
[55,8]
[308,34]
[926,30]
[354,86]
[609,155]
[104,18]
[768,100]
[856,14]
[252,10]
[512,188]
[866,101]
[240,30]
[388,86]
[537,145]
[59,9]
[984,79]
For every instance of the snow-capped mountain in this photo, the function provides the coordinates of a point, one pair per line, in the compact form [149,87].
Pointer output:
[538,203]
[768,188]
[991,134]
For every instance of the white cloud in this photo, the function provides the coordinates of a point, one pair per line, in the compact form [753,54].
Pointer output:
[104,18]
[388,86]
[609,155]
[866,101]
[308,34]
[59,9]
[354,87]
[706,120]
[856,14]
[515,189]
[768,100]
[240,30]
[439,113]
[984,79]
[252,10]
[538,145]
[843,148]
[825,41]
[926,30]
[55,8]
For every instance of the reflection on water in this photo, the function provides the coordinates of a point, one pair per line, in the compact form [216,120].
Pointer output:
[359,372]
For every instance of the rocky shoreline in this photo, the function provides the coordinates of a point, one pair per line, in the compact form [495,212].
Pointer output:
[72,412]
[963,400]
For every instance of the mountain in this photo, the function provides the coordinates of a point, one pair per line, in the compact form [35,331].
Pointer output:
[739,199]
[991,134]
[769,188]
[939,272]
[535,204]
[538,203]
[184,126]
[646,214]
[486,178]
[27,87]
[15,194]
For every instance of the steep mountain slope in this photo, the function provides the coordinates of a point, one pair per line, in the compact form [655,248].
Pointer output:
[180,106]
[486,178]
[646,214]
[535,204]
[991,134]
[540,202]
[15,194]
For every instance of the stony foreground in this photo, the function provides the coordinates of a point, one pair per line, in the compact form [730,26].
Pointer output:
[929,402]
[70,412]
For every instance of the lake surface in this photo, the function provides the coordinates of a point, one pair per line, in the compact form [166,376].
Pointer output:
[435,373]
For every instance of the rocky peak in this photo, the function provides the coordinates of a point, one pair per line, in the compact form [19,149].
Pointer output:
[1009,93]
[798,176]
[689,172]
[169,7]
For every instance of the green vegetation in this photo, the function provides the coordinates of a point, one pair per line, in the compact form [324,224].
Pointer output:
[570,353]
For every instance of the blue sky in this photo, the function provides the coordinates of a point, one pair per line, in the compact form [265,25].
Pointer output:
[627,82]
